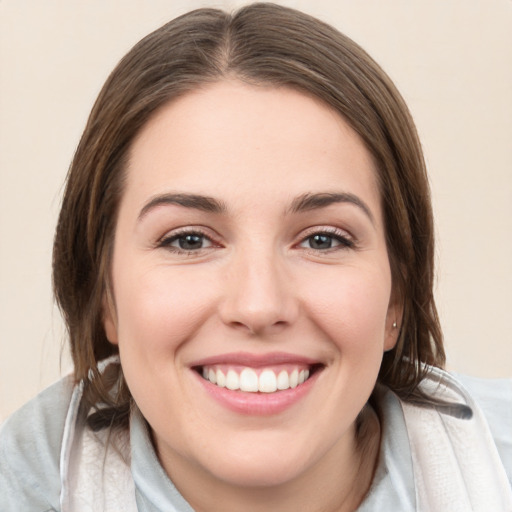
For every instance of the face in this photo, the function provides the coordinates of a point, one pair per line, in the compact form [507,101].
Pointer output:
[250,253]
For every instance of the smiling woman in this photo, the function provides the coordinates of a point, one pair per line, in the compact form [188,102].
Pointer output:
[244,259]
[280,277]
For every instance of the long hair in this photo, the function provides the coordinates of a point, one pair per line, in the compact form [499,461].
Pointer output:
[258,44]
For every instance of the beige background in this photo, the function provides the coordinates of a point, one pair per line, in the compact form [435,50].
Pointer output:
[452,60]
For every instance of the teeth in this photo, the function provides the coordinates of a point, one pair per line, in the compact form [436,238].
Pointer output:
[221,379]
[268,382]
[232,380]
[294,379]
[249,381]
[283,380]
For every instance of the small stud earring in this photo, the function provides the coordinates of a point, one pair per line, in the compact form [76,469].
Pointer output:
[394,325]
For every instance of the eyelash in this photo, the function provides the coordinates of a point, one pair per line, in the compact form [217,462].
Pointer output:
[344,241]
[166,241]
[340,236]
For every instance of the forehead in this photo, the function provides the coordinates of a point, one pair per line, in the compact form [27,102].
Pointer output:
[248,142]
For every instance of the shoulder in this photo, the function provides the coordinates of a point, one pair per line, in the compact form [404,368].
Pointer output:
[494,397]
[30,445]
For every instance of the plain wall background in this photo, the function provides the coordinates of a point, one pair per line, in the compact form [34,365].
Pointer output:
[451,59]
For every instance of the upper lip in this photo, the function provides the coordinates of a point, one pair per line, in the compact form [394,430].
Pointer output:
[255,360]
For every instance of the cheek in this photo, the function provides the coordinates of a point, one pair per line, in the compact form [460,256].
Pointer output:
[351,307]
[159,309]
[158,312]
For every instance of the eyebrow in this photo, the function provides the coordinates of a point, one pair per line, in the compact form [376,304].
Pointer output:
[198,202]
[303,203]
[310,201]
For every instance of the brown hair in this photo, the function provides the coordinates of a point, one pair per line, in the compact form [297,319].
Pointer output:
[259,44]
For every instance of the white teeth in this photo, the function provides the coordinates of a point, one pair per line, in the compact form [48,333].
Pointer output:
[248,380]
[294,379]
[283,381]
[221,379]
[232,380]
[268,382]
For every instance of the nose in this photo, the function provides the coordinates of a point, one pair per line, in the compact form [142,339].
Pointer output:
[259,294]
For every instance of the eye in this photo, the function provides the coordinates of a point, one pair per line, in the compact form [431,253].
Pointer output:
[322,241]
[186,242]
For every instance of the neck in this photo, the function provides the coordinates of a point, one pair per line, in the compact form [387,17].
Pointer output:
[336,483]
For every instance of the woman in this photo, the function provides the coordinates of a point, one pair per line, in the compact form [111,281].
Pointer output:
[244,259]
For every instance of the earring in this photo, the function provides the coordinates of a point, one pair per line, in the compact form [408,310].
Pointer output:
[394,325]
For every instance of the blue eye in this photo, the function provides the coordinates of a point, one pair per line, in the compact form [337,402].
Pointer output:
[320,241]
[187,242]
[325,241]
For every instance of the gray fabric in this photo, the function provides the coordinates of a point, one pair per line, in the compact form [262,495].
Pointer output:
[154,490]
[494,396]
[393,485]
[30,445]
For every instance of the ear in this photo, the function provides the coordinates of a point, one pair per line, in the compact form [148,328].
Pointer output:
[394,319]
[109,318]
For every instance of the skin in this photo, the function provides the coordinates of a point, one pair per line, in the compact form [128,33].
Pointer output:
[258,284]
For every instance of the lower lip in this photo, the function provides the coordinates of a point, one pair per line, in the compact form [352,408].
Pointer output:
[258,404]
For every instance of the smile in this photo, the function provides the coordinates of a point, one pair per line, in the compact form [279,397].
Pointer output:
[257,384]
[254,380]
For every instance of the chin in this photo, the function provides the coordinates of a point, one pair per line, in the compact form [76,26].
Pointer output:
[259,462]
[256,474]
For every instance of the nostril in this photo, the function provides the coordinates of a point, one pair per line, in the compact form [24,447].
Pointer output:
[254,327]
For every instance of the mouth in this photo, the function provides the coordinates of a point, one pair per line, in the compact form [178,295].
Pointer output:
[257,384]
[247,379]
